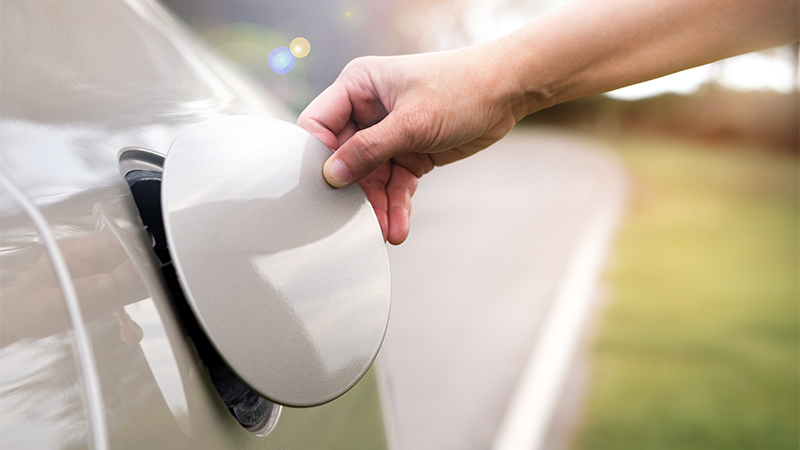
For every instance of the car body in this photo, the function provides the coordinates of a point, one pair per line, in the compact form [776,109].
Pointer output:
[94,350]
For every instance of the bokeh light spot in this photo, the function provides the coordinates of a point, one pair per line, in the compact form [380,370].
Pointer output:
[281,60]
[348,15]
[300,47]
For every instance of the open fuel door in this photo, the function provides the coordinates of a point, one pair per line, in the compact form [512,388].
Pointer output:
[287,276]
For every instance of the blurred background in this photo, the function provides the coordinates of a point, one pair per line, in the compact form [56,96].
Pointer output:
[697,343]
[752,96]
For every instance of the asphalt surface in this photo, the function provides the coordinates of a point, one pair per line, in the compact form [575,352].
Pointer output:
[492,238]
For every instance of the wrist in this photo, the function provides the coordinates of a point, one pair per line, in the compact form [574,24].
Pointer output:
[520,80]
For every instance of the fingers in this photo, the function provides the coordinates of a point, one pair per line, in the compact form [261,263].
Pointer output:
[417,163]
[367,150]
[374,187]
[380,205]
[343,136]
[328,115]
[389,189]
[399,191]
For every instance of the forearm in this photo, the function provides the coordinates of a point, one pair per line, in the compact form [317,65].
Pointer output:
[393,119]
[589,46]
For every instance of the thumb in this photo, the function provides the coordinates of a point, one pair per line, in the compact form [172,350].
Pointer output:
[367,150]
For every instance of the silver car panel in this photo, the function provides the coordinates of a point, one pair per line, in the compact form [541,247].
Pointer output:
[37,410]
[80,81]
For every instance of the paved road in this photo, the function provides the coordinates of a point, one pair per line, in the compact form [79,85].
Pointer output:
[493,239]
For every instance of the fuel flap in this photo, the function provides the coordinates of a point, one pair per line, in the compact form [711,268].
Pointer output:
[287,276]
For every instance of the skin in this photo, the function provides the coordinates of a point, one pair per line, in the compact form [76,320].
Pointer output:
[391,120]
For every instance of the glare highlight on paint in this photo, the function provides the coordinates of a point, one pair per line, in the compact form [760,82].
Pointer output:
[281,60]
[300,47]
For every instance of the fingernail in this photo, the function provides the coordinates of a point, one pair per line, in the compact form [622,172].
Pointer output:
[336,173]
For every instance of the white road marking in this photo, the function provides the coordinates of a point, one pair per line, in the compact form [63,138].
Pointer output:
[533,404]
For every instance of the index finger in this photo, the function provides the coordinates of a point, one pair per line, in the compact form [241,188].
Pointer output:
[327,115]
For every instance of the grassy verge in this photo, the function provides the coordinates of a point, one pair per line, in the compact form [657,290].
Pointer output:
[699,347]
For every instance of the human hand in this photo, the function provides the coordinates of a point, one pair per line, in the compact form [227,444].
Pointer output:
[390,120]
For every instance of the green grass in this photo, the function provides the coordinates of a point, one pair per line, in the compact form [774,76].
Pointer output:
[699,346]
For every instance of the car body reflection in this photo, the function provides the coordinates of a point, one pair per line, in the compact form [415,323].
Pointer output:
[80,81]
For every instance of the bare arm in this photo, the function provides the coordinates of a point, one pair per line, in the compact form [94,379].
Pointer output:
[393,119]
[587,47]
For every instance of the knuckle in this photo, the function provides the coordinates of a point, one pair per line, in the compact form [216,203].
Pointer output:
[360,64]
